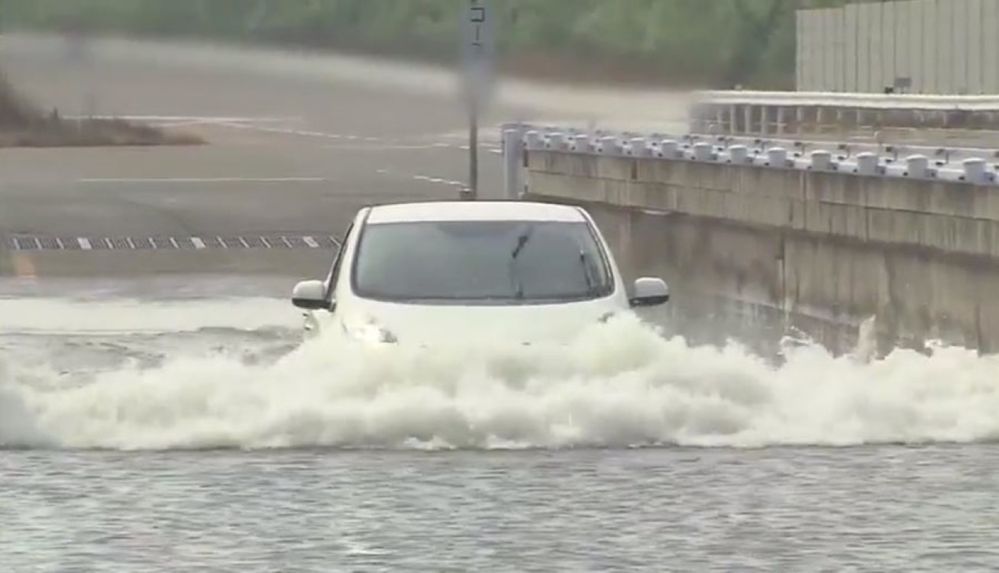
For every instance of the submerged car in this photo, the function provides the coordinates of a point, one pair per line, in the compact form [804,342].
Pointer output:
[471,272]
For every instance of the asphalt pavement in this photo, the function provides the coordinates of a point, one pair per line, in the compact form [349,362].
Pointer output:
[296,144]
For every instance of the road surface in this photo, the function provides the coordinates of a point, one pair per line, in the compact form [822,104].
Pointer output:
[297,143]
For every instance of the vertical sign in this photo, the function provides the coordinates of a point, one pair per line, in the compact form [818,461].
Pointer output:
[478,50]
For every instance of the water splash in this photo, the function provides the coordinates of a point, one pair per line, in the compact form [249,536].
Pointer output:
[618,384]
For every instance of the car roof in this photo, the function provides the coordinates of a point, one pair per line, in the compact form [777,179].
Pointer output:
[439,211]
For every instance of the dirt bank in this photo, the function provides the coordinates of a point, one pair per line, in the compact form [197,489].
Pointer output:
[23,125]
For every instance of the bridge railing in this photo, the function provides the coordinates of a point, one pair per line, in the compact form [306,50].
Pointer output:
[767,113]
[973,166]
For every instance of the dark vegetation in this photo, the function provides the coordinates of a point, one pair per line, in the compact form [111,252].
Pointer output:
[22,125]
[705,43]
[719,43]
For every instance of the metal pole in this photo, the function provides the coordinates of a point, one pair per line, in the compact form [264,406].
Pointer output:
[473,150]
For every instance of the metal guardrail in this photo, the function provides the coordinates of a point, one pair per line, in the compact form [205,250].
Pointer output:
[969,168]
[894,102]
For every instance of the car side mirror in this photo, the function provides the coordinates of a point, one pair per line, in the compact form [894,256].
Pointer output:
[650,292]
[310,295]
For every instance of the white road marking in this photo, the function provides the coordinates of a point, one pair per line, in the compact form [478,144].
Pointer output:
[198,243]
[84,243]
[381,147]
[405,142]
[657,213]
[286,131]
[199,180]
[221,242]
[311,242]
[199,118]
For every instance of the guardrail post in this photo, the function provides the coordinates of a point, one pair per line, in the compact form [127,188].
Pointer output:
[974,171]
[532,140]
[867,163]
[513,158]
[917,166]
[777,157]
[703,152]
[737,154]
[555,141]
[608,145]
[821,160]
[637,147]
[669,149]
[580,143]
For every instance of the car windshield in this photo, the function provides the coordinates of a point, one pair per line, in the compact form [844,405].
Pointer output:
[488,261]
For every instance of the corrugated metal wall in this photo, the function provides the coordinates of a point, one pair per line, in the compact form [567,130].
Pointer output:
[935,46]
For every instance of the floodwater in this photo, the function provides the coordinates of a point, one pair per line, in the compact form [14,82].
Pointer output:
[202,434]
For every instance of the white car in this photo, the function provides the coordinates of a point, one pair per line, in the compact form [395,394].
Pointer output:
[471,272]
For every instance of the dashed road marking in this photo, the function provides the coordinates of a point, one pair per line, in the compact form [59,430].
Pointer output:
[34,243]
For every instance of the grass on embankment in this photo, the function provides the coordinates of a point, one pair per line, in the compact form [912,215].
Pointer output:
[22,125]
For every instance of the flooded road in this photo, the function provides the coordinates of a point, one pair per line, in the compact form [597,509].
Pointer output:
[193,432]
[874,509]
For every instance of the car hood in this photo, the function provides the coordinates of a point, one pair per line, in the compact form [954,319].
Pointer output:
[460,325]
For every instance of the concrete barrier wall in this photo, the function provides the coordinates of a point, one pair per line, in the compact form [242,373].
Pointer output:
[819,251]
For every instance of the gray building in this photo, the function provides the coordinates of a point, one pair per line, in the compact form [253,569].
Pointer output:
[909,46]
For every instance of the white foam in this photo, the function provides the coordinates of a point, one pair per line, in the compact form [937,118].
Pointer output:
[617,385]
[40,315]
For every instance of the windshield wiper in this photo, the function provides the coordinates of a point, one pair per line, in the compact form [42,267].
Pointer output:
[591,288]
[522,240]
